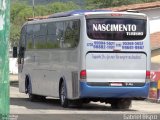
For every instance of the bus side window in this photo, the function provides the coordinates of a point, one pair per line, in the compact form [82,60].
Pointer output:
[72,33]
[60,33]
[22,37]
[40,36]
[29,37]
[52,35]
[22,44]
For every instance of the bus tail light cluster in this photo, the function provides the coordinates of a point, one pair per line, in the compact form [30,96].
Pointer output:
[148,74]
[83,74]
[116,14]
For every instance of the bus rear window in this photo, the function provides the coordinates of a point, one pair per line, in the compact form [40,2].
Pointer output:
[116,29]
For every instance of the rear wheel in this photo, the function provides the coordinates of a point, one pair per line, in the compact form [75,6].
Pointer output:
[63,95]
[42,98]
[121,104]
[32,97]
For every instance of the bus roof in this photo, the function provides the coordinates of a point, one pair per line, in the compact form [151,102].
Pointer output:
[75,12]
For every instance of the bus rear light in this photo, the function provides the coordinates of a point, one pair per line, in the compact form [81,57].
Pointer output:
[83,74]
[148,74]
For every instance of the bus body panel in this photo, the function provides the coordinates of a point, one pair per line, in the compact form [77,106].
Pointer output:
[103,92]
[46,68]
[116,67]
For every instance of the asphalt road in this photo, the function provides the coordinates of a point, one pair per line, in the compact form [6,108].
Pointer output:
[22,109]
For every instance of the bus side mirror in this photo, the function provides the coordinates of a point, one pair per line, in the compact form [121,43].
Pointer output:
[15,52]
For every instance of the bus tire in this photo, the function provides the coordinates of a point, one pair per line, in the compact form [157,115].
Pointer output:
[63,95]
[32,97]
[42,98]
[121,104]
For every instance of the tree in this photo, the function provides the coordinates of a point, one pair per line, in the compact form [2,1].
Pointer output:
[20,12]
[60,7]
[15,34]
[95,4]
[15,9]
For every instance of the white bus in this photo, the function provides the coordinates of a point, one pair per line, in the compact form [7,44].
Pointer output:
[84,56]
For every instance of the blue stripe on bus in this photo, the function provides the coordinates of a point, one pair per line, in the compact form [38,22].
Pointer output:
[87,91]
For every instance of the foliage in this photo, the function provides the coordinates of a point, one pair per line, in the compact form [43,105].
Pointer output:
[93,4]
[59,7]
[15,34]
[21,11]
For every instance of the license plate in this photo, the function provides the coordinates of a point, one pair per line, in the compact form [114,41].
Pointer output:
[116,84]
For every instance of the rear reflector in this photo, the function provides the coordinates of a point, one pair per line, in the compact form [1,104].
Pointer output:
[83,74]
[148,74]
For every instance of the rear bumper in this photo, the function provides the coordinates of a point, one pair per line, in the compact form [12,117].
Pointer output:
[87,91]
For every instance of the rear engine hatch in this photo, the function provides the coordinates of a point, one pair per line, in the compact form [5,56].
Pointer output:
[116,67]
